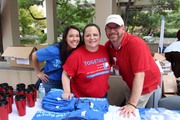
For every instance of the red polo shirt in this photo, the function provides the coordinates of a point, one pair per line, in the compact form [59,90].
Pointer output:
[132,57]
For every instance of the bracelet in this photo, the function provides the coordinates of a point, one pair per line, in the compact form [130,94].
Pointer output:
[132,105]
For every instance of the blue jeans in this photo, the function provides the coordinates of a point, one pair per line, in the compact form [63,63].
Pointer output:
[52,84]
[105,96]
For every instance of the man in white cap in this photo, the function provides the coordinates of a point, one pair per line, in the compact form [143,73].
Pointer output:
[131,57]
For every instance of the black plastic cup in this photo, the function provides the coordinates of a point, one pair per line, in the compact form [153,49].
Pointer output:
[3,110]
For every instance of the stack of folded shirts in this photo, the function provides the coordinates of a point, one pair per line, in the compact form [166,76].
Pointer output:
[85,115]
[53,101]
[84,108]
[100,104]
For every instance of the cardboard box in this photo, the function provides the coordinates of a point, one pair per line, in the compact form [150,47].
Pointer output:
[36,46]
[158,57]
[20,56]
[166,65]
[159,66]
[169,72]
[169,84]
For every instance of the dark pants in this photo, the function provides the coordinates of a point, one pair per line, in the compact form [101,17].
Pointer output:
[52,84]
[174,59]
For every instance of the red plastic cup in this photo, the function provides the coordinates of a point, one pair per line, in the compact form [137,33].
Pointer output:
[21,86]
[1,95]
[33,86]
[8,97]
[20,91]
[20,101]
[1,88]
[2,85]
[9,89]
[30,97]
[3,110]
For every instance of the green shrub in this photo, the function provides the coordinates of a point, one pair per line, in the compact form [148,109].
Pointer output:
[42,39]
[166,34]
[28,41]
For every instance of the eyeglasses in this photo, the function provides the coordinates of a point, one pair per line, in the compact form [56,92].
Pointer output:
[108,28]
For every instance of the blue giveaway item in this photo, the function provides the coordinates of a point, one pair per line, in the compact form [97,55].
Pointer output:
[53,101]
[43,115]
[86,115]
[87,103]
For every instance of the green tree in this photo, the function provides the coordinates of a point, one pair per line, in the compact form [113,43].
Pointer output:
[29,25]
[149,17]
[74,14]
[24,20]
[139,22]
[32,21]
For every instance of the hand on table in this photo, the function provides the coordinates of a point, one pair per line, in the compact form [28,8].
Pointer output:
[127,110]
[67,95]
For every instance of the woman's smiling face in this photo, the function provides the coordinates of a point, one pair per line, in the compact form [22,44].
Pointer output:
[91,38]
[73,38]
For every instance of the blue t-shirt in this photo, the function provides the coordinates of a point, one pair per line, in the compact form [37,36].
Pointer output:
[51,55]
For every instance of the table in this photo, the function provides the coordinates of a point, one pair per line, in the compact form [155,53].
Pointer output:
[30,112]
[163,114]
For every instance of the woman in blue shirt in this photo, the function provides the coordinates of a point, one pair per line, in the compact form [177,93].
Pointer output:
[54,56]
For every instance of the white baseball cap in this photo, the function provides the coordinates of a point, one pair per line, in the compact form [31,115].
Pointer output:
[114,18]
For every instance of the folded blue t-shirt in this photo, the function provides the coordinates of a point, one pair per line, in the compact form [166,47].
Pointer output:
[53,101]
[85,115]
[87,103]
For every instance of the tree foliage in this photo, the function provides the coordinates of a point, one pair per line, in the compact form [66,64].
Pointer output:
[73,14]
[149,17]
[28,25]
[32,21]
[138,21]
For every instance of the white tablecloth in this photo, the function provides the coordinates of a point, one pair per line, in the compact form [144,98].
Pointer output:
[30,112]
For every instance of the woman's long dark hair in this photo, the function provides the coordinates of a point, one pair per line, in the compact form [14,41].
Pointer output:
[63,44]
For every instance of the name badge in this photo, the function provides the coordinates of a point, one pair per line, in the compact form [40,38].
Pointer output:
[115,67]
